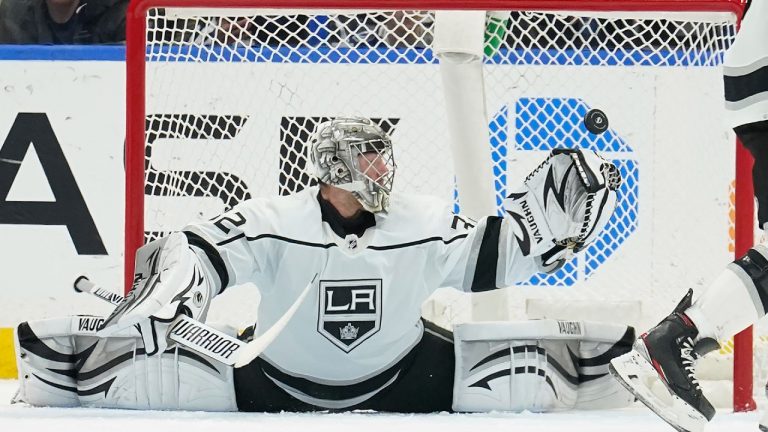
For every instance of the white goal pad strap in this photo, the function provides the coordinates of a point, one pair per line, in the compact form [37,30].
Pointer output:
[542,365]
[62,363]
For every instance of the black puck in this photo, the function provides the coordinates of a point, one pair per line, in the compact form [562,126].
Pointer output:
[596,121]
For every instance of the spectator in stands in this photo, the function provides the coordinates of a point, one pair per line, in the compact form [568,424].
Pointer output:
[398,29]
[62,21]
[266,30]
[386,29]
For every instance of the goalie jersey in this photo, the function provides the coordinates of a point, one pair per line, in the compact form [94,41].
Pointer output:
[364,313]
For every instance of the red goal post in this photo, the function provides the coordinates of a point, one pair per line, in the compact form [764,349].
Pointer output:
[138,116]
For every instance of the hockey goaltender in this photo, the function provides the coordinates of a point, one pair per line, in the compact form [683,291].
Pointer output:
[369,257]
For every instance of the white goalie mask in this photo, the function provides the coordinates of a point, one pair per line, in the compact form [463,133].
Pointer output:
[355,154]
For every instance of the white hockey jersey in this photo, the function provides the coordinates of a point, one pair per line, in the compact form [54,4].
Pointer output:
[746,69]
[364,313]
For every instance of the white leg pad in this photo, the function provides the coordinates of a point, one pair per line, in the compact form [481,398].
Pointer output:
[61,363]
[540,366]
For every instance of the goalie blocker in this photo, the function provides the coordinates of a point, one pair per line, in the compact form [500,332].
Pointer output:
[543,365]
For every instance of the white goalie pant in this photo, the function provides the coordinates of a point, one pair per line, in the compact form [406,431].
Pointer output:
[62,363]
[539,366]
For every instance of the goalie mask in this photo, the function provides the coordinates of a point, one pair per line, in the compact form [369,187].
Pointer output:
[355,154]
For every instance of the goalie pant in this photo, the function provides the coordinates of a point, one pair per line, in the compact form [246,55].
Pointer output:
[542,365]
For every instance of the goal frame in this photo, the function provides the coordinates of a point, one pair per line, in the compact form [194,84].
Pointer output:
[136,98]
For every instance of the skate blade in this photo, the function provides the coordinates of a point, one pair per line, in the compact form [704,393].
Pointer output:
[631,369]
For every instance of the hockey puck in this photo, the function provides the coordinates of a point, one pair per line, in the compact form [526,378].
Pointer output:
[596,121]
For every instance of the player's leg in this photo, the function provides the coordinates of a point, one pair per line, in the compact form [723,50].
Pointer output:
[62,363]
[736,299]
[754,136]
[667,354]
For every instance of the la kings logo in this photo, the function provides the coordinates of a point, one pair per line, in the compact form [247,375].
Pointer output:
[350,311]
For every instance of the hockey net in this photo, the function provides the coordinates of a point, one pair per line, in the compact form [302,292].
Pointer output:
[223,97]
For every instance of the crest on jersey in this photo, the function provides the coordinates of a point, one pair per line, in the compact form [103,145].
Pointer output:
[350,311]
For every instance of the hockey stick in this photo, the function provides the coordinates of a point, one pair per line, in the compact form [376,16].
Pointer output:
[83,284]
[205,339]
[258,345]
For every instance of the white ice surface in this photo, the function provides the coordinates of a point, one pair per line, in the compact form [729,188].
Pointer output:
[22,418]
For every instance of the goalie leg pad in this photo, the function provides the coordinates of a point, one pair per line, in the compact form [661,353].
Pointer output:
[60,365]
[46,369]
[540,366]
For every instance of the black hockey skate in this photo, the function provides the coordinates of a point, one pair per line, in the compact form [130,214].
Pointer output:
[666,354]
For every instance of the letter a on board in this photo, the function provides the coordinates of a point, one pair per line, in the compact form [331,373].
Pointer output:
[69,208]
